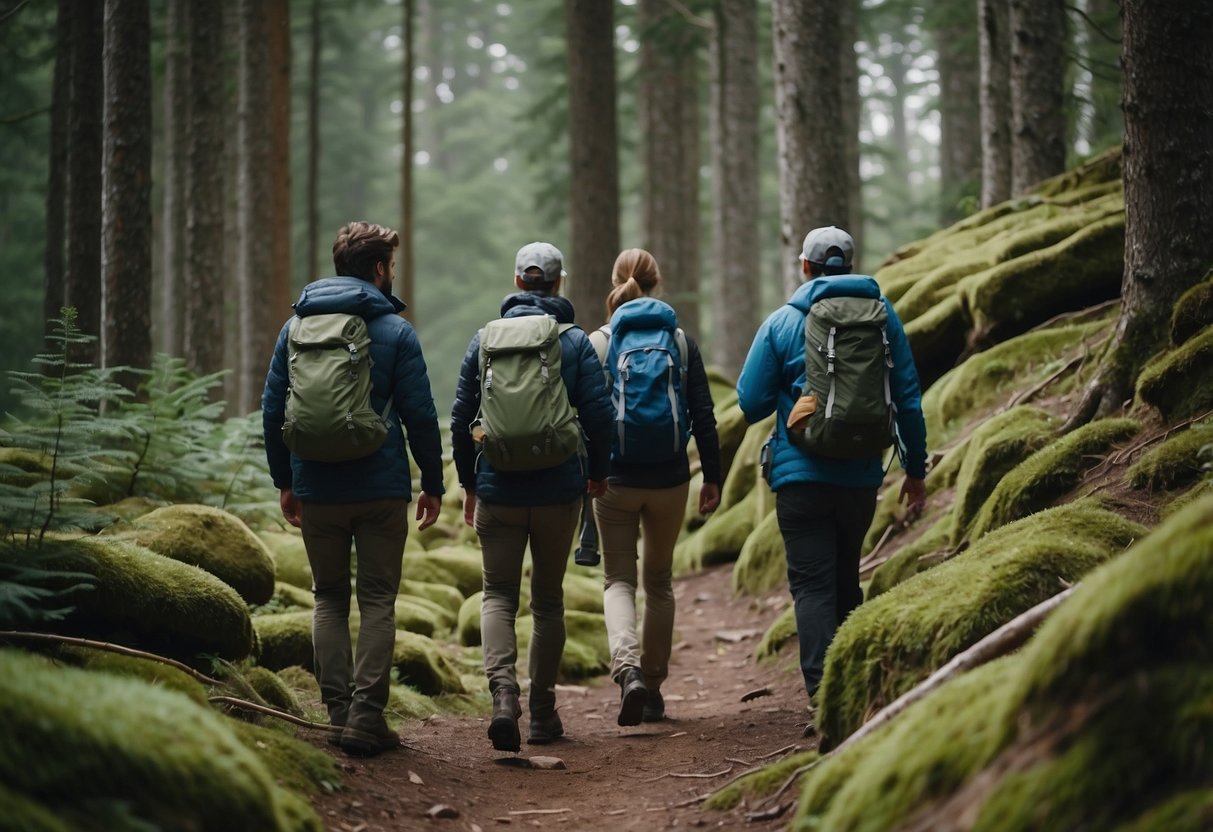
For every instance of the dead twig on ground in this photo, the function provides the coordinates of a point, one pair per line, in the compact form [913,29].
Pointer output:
[50,638]
[521,812]
[705,776]
[779,751]
[1025,395]
[246,705]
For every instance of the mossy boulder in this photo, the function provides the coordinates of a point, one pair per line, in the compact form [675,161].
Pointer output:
[731,429]
[941,475]
[1049,473]
[762,564]
[272,689]
[290,558]
[938,338]
[758,784]
[1180,460]
[145,600]
[103,752]
[301,767]
[421,664]
[743,475]
[781,631]
[720,539]
[1193,312]
[468,628]
[444,595]
[285,639]
[152,672]
[286,598]
[896,640]
[1180,382]
[927,550]
[456,566]
[210,539]
[586,652]
[422,616]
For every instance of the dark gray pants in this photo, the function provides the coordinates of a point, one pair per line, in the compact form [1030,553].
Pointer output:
[823,527]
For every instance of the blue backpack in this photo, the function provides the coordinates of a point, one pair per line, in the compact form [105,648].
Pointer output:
[646,367]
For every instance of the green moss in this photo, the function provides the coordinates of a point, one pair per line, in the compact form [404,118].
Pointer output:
[420,663]
[987,378]
[914,557]
[940,477]
[444,595]
[996,447]
[1180,382]
[297,765]
[743,474]
[457,566]
[1049,473]
[762,564]
[270,687]
[731,429]
[586,652]
[142,599]
[20,814]
[938,337]
[445,532]
[152,672]
[1190,811]
[97,747]
[720,539]
[896,640]
[759,784]
[417,615]
[286,598]
[1180,499]
[583,592]
[468,628]
[781,631]
[1178,461]
[286,639]
[290,558]
[1193,311]
[210,539]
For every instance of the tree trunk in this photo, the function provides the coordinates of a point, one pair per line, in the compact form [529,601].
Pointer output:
[813,179]
[233,232]
[56,180]
[593,145]
[994,33]
[735,192]
[434,58]
[126,174]
[960,125]
[205,186]
[1038,72]
[253,213]
[171,330]
[1168,176]
[851,118]
[404,257]
[312,261]
[275,306]
[82,286]
[668,98]
[1107,125]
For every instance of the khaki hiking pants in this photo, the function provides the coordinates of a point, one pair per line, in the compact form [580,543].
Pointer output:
[505,532]
[378,527]
[653,515]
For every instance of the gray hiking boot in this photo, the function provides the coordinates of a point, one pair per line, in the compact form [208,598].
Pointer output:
[503,729]
[632,696]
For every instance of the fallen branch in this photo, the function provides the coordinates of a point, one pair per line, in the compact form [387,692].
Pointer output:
[1005,639]
[51,638]
[1024,395]
[778,751]
[520,812]
[246,705]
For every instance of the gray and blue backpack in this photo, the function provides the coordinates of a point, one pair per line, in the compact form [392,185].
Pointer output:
[646,367]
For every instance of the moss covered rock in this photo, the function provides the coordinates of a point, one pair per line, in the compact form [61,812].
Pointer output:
[285,638]
[1180,382]
[927,550]
[153,672]
[271,688]
[444,595]
[586,652]
[720,539]
[1049,473]
[762,564]
[781,631]
[286,598]
[300,766]
[290,558]
[743,475]
[210,539]
[941,475]
[1193,312]
[938,338]
[421,664]
[891,643]
[583,592]
[1178,461]
[468,628]
[422,616]
[145,600]
[103,752]
[456,566]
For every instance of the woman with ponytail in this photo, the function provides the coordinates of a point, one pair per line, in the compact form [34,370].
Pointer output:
[641,514]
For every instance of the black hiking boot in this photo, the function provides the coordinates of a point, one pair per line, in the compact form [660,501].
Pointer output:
[545,728]
[367,740]
[654,707]
[632,696]
[503,729]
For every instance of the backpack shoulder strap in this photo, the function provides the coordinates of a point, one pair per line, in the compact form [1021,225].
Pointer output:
[683,352]
[601,340]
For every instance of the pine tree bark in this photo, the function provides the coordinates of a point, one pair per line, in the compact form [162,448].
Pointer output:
[82,285]
[171,308]
[255,270]
[593,148]
[813,180]
[851,118]
[668,98]
[54,257]
[1168,178]
[434,57]
[404,257]
[960,125]
[276,305]
[126,174]
[1038,71]
[313,145]
[735,192]
[994,21]
[1102,25]
[205,186]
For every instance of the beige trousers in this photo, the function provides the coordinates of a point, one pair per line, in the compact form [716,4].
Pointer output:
[653,515]
[505,532]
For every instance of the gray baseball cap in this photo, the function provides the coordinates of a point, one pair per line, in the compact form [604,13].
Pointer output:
[828,246]
[543,256]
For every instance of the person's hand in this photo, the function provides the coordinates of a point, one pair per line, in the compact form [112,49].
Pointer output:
[291,509]
[469,508]
[914,492]
[428,507]
[709,497]
[595,488]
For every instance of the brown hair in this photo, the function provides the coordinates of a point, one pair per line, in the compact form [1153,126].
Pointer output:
[635,274]
[360,245]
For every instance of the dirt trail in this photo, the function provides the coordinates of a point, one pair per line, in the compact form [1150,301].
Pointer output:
[616,778]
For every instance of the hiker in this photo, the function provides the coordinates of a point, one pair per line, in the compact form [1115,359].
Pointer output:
[524,467]
[347,374]
[647,358]
[826,454]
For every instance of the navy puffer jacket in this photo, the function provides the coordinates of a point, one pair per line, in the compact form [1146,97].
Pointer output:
[582,376]
[398,371]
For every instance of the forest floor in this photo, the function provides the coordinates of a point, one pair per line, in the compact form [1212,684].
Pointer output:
[642,778]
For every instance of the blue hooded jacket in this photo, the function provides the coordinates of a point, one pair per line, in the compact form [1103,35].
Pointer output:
[398,370]
[582,375]
[774,373]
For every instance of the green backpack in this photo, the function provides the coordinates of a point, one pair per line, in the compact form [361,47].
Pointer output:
[328,404]
[846,407]
[525,422]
